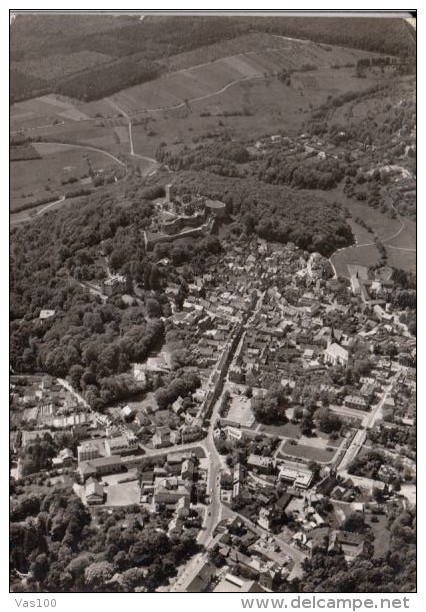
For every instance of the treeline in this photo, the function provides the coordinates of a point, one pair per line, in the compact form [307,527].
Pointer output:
[104,80]
[274,212]
[23,152]
[221,157]
[301,170]
[349,96]
[24,86]
[380,35]
[35,203]
[133,45]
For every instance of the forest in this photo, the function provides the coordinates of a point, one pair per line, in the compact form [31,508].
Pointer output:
[276,213]
[54,537]
[90,340]
[299,171]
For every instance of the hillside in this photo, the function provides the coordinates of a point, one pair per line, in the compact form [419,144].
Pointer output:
[129,51]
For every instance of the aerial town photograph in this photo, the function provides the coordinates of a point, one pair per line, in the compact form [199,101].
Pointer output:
[212,303]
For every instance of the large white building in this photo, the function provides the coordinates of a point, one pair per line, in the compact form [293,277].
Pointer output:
[336,355]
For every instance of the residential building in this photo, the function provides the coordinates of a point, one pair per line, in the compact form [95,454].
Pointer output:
[94,492]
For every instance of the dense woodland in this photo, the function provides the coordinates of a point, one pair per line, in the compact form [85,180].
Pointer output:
[144,43]
[91,341]
[275,213]
[54,537]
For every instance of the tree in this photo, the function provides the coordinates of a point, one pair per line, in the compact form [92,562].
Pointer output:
[39,567]
[153,307]
[97,574]
[271,408]
[328,421]
[354,522]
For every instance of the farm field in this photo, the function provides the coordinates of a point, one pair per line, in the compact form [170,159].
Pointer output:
[296,52]
[38,178]
[199,81]
[45,110]
[89,133]
[269,106]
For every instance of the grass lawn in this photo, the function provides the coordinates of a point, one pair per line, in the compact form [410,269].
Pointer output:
[381,533]
[407,238]
[406,260]
[289,430]
[307,452]
[385,228]
[363,256]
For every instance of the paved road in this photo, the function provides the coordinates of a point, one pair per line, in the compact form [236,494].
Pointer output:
[296,555]
[360,436]
[37,213]
[384,241]
[73,392]
[82,146]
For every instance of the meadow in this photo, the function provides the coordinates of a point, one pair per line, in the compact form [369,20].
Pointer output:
[206,79]
[32,180]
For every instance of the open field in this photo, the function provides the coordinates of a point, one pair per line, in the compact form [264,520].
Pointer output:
[208,79]
[397,235]
[289,430]
[310,453]
[406,239]
[406,260]
[295,53]
[266,104]
[123,494]
[237,83]
[361,256]
[44,111]
[381,533]
[38,178]
[240,411]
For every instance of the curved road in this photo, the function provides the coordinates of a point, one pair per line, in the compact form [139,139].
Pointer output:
[81,146]
[38,212]
[154,163]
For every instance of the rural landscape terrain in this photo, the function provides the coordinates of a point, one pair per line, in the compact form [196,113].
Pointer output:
[212,304]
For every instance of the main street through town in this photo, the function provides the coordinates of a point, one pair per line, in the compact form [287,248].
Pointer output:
[361,435]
